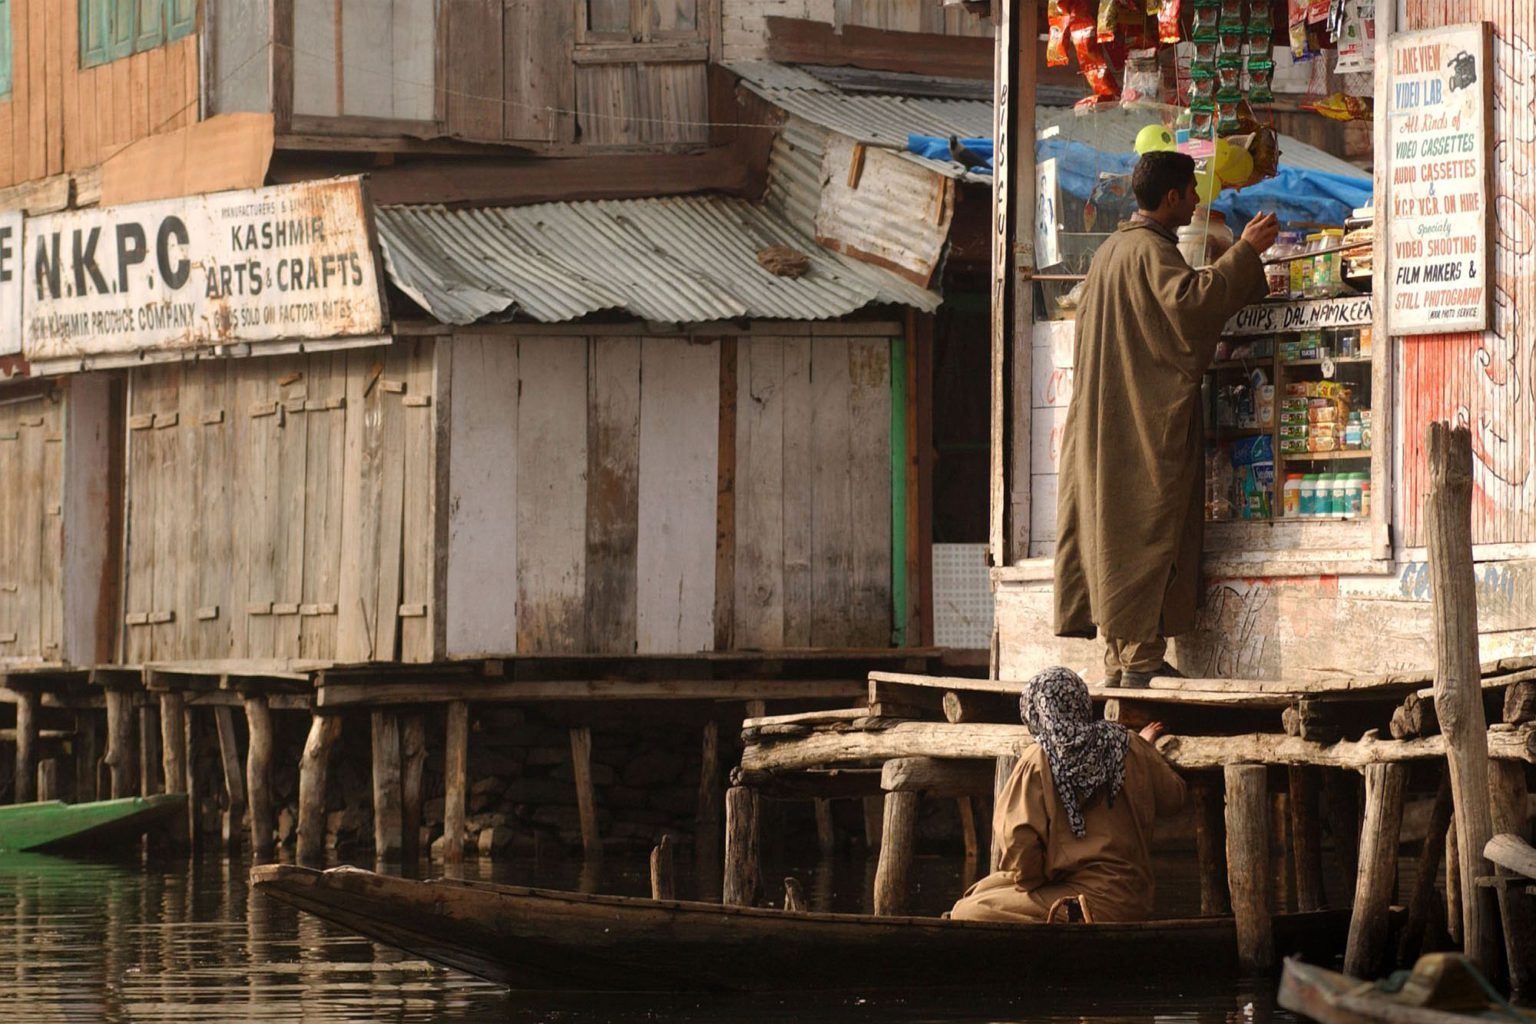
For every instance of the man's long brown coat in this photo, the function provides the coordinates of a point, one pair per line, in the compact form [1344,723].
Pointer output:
[1130,516]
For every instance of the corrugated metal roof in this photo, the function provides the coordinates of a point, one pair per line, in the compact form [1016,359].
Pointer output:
[877,119]
[677,260]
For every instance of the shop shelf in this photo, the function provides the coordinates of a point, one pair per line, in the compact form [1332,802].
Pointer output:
[1338,360]
[1326,456]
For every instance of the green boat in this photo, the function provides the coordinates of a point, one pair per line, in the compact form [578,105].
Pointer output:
[54,824]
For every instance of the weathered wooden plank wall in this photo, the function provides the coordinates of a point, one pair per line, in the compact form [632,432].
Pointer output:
[1484,380]
[275,508]
[907,16]
[31,534]
[62,117]
[365,58]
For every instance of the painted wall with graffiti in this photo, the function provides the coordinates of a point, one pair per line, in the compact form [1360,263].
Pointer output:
[1483,381]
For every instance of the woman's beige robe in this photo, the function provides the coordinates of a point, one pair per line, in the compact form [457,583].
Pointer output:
[1130,515]
[1040,860]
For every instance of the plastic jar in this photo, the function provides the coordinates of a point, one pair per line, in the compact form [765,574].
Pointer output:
[1291,496]
[1365,495]
[1205,238]
[1307,500]
[1301,269]
[1327,279]
[1356,489]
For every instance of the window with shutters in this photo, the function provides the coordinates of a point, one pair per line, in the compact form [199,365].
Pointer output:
[5,49]
[639,21]
[110,29]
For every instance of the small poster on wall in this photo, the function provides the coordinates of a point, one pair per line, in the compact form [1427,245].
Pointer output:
[1438,202]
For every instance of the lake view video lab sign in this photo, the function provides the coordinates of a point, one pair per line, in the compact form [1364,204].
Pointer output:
[291,262]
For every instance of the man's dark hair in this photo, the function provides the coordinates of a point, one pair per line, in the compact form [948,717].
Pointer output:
[1158,173]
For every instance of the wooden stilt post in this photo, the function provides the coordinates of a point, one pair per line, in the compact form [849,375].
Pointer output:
[898,836]
[151,766]
[586,793]
[413,758]
[234,778]
[48,779]
[387,819]
[1342,791]
[191,780]
[173,754]
[826,830]
[455,781]
[121,755]
[314,770]
[1211,847]
[1424,893]
[1247,819]
[971,834]
[1366,953]
[87,750]
[1453,915]
[26,746]
[1458,673]
[1003,771]
[794,897]
[1307,836]
[1279,852]
[742,874]
[1517,910]
[663,886]
[706,836]
[874,818]
[258,776]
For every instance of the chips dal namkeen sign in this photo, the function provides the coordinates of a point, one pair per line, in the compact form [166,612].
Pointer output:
[1438,203]
[10,283]
[291,262]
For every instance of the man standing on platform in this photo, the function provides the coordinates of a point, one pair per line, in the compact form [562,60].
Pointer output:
[1130,514]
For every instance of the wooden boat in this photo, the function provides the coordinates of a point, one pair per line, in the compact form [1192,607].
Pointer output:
[54,824]
[1439,991]
[545,939]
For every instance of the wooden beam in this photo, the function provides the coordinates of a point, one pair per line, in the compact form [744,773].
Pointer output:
[1211,847]
[234,778]
[826,828]
[1412,942]
[121,756]
[384,694]
[936,777]
[1188,753]
[314,770]
[663,884]
[173,753]
[387,817]
[26,746]
[1307,835]
[898,837]
[48,779]
[1458,675]
[455,781]
[1247,816]
[413,755]
[1513,853]
[258,777]
[1366,952]
[586,792]
[802,41]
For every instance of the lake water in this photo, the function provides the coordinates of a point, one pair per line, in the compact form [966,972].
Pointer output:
[187,942]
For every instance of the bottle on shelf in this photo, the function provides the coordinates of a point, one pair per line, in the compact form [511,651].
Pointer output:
[1291,500]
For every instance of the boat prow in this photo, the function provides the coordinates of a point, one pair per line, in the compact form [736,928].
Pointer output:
[53,824]
[1442,989]
[547,939]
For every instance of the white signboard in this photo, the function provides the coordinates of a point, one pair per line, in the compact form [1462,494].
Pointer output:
[1304,315]
[288,262]
[1436,212]
[10,283]
[1047,231]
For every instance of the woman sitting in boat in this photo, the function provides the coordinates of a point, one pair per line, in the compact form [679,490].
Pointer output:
[1075,818]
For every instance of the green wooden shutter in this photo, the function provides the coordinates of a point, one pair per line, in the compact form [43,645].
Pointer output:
[5,49]
[149,25]
[124,28]
[95,32]
[180,18]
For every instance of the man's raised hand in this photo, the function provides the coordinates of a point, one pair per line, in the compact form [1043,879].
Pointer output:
[1262,231]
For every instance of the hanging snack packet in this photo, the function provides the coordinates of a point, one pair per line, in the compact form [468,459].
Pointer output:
[1261,80]
[1109,20]
[1143,78]
[1093,61]
[1168,21]
[1317,10]
[1056,44]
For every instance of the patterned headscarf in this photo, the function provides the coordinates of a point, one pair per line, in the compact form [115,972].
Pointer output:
[1084,754]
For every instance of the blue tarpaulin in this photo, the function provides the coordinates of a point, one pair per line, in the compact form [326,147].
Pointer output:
[1296,195]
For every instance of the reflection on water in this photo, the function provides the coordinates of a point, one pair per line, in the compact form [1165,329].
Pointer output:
[187,942]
